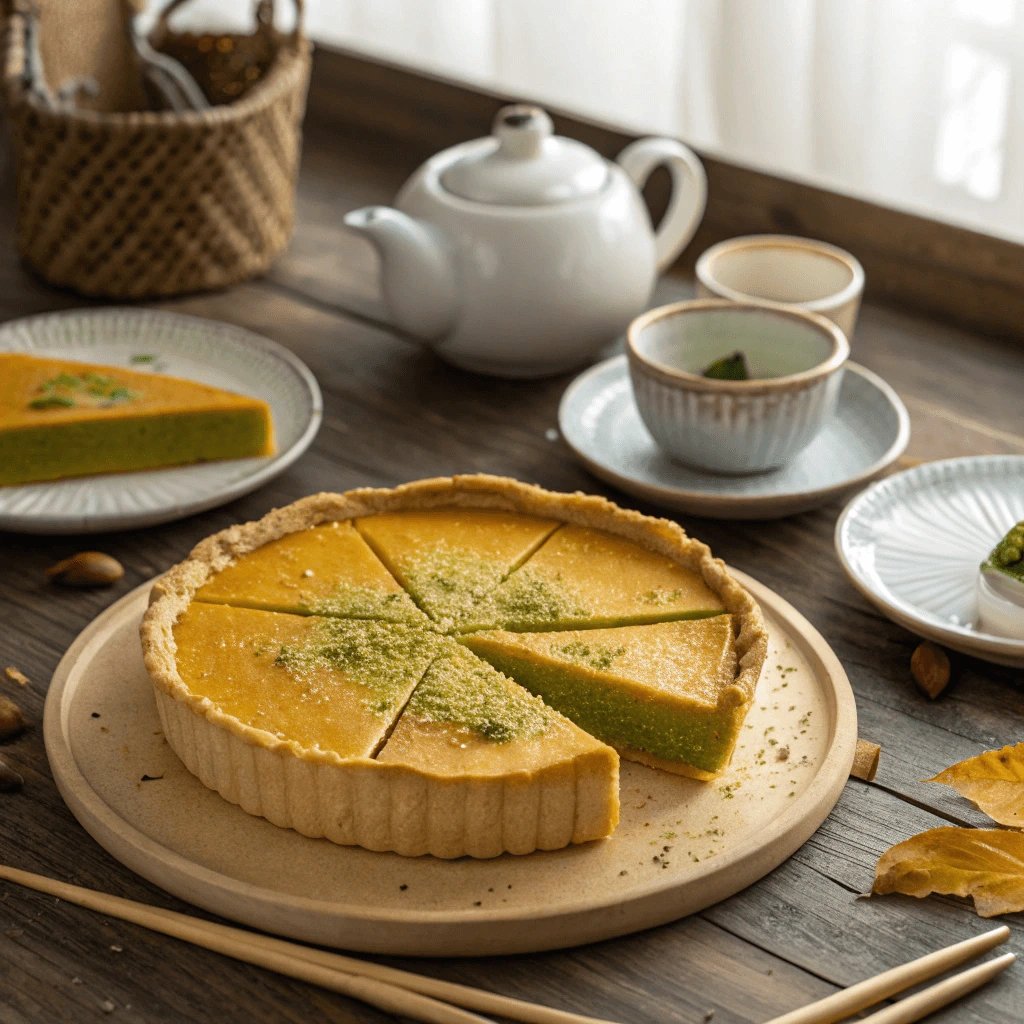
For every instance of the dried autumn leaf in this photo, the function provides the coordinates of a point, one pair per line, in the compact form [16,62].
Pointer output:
[994,781]
[986,863]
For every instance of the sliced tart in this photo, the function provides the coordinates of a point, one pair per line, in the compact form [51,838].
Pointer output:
[661,694]
[321,570]
[60,418]
[649,645]
[494,768]
[449,559]
[586,578]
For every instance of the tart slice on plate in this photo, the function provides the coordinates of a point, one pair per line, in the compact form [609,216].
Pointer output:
[662,694]
[60,418]
[648,645]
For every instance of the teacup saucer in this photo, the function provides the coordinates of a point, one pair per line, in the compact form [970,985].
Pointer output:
[600,422]
[912,546]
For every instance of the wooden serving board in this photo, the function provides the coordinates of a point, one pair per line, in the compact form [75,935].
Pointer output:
[681,845]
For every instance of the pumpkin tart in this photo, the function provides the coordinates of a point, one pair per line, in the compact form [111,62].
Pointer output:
[60,418]
[477,742]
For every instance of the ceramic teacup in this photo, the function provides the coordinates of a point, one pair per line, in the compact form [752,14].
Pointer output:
[795,361]
[801,272]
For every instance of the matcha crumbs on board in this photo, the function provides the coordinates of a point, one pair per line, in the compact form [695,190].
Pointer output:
[460,689]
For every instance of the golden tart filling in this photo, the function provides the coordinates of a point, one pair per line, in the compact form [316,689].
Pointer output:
[323,570]
[583,578]
[302,670]
[316,684]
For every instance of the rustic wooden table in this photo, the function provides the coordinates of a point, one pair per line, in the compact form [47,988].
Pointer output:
[395,413]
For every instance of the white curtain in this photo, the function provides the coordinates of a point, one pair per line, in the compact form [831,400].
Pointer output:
[913,103]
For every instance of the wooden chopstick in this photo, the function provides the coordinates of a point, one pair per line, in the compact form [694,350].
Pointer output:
[331,970]
[919,1005]
[841,1005]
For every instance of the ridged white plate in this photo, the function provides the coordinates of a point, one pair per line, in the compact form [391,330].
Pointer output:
[912,545]
[600,422]
[207,351]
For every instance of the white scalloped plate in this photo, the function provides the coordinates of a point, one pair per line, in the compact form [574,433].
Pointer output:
[600,422]
[208,351]
[912,545]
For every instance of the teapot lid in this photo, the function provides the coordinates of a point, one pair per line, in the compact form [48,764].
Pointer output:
[527,165]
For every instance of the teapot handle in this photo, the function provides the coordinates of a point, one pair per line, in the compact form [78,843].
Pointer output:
[689,191]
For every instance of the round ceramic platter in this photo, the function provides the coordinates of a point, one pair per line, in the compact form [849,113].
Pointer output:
[681,844]
[599,420]
[912,545]
[213,353]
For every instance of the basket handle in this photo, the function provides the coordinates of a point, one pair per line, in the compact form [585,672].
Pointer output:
[264,14]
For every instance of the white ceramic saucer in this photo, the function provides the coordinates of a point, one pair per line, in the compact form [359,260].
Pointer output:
[600,422]
[912,545]
[213,353]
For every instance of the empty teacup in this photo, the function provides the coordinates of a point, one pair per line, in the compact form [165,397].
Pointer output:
[801,272]
[734,387]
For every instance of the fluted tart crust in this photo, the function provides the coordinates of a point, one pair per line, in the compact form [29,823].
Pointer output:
[462,617]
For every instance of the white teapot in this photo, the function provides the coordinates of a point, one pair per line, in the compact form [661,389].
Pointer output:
[524,253]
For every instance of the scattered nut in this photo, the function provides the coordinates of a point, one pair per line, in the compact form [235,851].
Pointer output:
[10,780]
[11,722]
[16,675]
[930,668]
[865,760]
[86,569]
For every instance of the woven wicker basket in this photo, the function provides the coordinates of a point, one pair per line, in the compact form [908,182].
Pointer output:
[143,204]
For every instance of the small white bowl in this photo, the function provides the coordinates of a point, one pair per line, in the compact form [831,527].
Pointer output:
[800,272]
[735,426]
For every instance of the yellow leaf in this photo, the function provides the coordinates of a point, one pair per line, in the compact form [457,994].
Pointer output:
[994,781]
[986,863]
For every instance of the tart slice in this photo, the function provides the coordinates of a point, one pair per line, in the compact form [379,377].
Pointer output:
[495,769]
[662,694]
[449,559]
[1001,587]
[310,684]
[585,578]
[60,419]
[321,570]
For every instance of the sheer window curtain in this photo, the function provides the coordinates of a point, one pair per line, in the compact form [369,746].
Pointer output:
[912,103]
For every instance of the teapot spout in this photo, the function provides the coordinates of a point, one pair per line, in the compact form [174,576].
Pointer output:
[417,278]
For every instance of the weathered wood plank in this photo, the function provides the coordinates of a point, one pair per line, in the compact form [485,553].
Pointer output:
[812,906]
